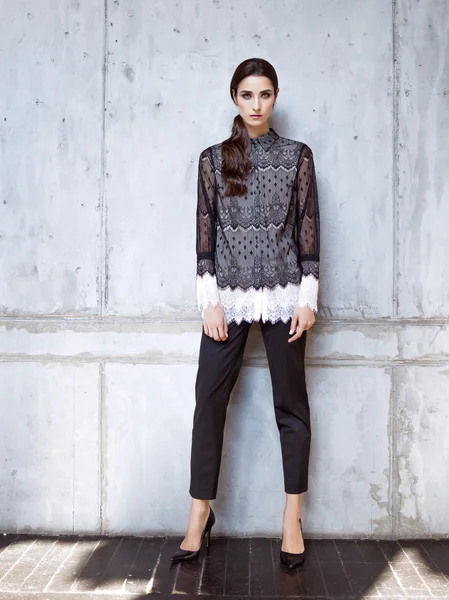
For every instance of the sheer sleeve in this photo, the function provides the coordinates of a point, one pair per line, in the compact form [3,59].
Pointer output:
[206,283]
[308,229]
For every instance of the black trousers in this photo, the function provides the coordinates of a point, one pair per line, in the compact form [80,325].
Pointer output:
[218,369]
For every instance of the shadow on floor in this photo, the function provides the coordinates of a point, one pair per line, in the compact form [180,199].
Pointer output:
[49,567]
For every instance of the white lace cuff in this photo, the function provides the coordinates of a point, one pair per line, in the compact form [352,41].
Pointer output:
[308,292]
[206,291]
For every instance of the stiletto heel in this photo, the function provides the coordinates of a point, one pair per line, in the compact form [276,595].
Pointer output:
[292,559]
[181,554]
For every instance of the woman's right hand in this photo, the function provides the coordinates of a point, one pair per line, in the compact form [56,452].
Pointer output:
[215,324]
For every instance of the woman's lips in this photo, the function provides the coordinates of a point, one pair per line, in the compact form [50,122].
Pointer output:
[256,116]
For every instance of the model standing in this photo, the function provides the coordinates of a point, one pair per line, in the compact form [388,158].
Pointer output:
[257,249]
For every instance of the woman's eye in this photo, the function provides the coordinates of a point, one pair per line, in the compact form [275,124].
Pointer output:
[266,95]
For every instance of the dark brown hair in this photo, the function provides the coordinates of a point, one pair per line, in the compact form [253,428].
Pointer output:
[236,150]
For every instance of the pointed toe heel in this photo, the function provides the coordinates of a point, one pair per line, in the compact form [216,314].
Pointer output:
[181,555]
[290,559]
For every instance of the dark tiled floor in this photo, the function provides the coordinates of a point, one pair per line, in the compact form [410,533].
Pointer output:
[38,567]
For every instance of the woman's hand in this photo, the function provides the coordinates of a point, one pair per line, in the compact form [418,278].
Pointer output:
[303,318]
[215,324]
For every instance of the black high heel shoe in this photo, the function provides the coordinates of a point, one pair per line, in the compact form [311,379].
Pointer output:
[292,560]
[181,554]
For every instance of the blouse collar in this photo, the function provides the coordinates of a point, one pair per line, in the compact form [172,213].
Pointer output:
[266,140]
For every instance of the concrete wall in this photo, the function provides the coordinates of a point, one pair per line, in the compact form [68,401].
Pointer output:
[104,110]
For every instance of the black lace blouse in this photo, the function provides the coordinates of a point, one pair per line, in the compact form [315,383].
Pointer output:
[258,254]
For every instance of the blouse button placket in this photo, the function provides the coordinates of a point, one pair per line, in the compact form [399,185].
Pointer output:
[256,201]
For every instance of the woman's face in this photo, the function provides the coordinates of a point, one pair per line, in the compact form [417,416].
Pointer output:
[255,96]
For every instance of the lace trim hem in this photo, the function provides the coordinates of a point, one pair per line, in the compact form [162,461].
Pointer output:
[308,292]
[206,291]
[252,305]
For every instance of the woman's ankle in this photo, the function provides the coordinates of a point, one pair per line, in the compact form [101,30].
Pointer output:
[200,505]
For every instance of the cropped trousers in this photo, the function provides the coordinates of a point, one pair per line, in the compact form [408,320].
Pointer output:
[218,369]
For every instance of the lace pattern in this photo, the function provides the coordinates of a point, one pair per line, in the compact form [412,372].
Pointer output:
[255,252]
[206,291]
[205,265]
[262,304]
[252,305]
[308,292]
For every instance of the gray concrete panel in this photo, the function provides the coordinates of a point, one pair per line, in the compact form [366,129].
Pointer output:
[179,341]
[50,168]
[49,444]
[351,451]
[423,158]
[422,451]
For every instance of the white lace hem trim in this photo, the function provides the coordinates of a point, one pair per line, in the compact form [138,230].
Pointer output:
[253,305]
[308,293]
[206,291]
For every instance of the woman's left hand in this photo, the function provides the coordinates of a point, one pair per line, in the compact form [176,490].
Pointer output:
[303,319]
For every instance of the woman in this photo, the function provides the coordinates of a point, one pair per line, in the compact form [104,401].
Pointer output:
[257,260]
